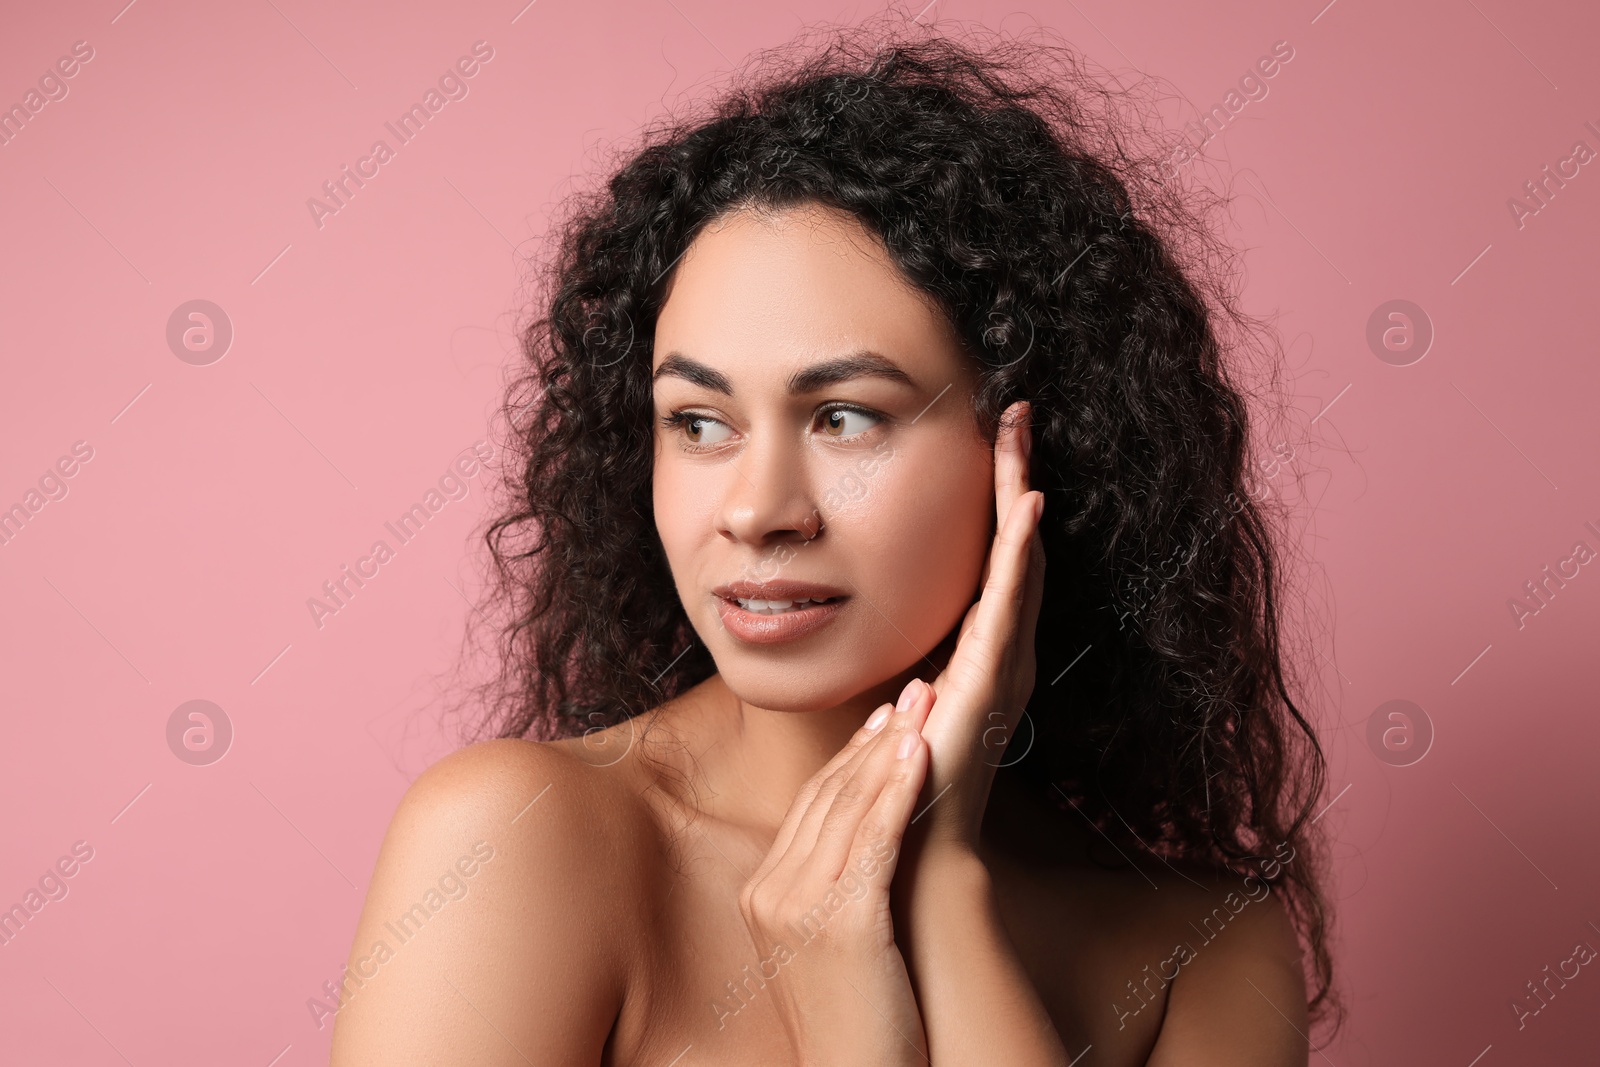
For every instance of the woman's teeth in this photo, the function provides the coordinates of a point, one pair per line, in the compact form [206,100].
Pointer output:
[775,607]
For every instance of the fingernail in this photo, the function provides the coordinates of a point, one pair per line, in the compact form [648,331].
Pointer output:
[908,695]
[907,744]
[878,718]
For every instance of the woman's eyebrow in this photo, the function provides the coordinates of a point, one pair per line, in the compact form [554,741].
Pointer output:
[808,380]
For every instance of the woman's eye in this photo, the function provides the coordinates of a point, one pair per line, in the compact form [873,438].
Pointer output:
[703,431]
[847,422]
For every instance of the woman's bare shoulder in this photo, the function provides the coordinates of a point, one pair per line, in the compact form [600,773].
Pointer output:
[542,799]
[491,776]
[1237,984]
[512,880]
[554,808]
[1176,962]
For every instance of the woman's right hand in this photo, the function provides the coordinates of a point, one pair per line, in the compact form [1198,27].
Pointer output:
[819,903]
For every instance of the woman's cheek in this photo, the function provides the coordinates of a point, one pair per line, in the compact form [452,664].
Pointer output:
[930,532]
[685,512]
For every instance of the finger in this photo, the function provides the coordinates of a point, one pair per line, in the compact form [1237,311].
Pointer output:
[853,786]
[922,705]
[809,792]
[1000,607]
[1033,578]
[968,620]
[1012,449]
[878,839]
[911,707]
[875,814]
[911,711]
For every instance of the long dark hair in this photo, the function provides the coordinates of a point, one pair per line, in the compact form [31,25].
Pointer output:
[1028,197]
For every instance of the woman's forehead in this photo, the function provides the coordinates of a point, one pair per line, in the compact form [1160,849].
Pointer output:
[771,291]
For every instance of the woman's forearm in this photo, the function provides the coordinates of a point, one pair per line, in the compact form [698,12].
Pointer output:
[978,1004]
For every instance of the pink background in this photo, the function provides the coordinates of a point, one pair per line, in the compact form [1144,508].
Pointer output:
[367,354]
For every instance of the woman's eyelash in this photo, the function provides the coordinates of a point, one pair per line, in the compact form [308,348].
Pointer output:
[681,418]
[679,421]
[684,418]
[853,409]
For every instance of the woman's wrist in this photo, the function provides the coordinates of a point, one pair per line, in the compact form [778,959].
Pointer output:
[947,845]
[938,873]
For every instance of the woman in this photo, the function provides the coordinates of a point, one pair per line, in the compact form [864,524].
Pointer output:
[804,755]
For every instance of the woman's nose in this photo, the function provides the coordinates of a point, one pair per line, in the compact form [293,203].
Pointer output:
[768,498]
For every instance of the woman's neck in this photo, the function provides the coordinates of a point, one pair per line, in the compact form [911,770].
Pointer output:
[749,763]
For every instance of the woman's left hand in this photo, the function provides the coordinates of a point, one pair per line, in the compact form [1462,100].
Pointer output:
[977,700]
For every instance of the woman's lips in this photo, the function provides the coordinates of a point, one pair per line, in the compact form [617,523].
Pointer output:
[757,628]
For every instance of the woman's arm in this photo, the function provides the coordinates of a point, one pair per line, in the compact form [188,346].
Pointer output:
[467,951]
[978,1003]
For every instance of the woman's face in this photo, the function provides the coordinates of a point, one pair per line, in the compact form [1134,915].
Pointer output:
[822,445]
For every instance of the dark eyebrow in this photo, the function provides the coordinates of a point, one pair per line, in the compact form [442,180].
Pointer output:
[676,366]
[808,380]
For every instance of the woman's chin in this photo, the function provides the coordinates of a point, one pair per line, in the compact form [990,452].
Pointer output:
[794,687]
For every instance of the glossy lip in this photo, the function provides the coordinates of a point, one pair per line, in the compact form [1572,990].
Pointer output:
[781,589]
[756,629]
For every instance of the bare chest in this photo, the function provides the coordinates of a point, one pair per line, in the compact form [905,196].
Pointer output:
[706,997]
[706,992]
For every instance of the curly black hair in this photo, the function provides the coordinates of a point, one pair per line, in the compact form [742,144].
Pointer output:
[1029,198]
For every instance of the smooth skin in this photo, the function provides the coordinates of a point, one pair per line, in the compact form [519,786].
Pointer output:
[807,858]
